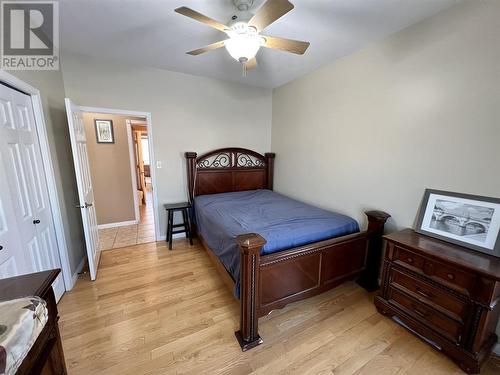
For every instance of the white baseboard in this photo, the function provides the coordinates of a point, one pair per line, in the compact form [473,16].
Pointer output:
[79,268]
[119,224]
[496,349]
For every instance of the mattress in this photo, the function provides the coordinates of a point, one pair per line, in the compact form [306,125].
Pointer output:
[284,222]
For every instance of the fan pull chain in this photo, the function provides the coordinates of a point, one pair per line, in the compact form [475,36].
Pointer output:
[244,71]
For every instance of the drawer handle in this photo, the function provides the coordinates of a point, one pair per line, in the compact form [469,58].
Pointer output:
[409,260]
[428,268]
[450,276]
[420,312]
[423,293]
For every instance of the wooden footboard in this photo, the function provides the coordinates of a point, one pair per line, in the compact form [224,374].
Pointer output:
[270,282]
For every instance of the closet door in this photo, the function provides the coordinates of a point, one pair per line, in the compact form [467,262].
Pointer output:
[26,179]
[12,259]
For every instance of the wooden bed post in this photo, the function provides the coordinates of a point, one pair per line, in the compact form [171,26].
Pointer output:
[270,169]
[191,170]
[369,278]
[250,247]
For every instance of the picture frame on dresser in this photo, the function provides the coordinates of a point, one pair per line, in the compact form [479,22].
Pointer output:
[467,220]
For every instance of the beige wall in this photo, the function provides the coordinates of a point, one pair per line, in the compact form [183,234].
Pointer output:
[51,87]
[189,113]
[419,109]
[110,171]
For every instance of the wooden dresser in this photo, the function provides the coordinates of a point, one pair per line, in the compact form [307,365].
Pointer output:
[46,355]
[444,293]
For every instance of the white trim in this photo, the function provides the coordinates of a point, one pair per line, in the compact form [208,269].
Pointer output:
[74,278]
[138,122]
[111,111]
[152,159]
[49,172]
[118,224]
[133,169]
[152,168]
[496,349]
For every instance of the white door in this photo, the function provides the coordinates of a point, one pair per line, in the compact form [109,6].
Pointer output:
[21,157]
[84,183]
[13,260]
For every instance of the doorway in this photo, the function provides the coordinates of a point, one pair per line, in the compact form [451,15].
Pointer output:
[122,199]
[115,178]
[138,138]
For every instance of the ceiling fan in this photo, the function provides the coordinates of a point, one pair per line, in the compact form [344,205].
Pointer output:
[244,31]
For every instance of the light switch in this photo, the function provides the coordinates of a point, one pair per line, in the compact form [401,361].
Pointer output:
[158,164]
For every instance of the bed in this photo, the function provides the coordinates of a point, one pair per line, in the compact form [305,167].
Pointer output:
[272,250]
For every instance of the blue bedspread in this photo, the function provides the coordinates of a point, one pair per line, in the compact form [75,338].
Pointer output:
[284,223]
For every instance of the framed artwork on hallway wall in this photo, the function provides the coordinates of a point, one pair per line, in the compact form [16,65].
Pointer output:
[104,131]
[468,220]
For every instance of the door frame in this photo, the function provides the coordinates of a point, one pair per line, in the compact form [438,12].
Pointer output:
[36,101]
[149,124]
[133,171]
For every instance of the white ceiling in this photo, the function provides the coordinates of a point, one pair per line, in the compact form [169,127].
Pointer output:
[150,33]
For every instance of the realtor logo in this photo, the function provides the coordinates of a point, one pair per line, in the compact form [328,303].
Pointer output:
[30,35]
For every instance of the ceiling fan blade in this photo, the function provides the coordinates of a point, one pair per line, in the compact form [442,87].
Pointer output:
[210,47]
[251,64]
[188,12]
[287,45]
[270,12]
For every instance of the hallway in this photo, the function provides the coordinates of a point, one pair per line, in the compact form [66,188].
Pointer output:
[144,232]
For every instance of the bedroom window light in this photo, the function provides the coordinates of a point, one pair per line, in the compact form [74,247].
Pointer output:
[145,150]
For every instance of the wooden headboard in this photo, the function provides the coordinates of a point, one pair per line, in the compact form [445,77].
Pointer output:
[228,169]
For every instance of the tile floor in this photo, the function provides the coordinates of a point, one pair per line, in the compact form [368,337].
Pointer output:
[113,238]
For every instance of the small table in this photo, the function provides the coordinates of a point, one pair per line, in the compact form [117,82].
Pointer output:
[185,225]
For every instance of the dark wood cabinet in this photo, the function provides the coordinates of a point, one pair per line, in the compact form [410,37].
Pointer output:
[444,293]
[46,355]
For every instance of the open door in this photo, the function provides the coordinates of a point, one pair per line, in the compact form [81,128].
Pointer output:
[84,184]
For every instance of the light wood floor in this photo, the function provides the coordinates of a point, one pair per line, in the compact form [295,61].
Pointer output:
[154,311]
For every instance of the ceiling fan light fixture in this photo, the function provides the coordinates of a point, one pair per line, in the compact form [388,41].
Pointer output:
[243,47]
[244,30]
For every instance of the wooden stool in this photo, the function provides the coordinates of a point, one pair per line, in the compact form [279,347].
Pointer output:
[186,222]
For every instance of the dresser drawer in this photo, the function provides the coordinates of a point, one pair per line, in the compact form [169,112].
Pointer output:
[439,322]
[408,259]
[451,277]
[431,295]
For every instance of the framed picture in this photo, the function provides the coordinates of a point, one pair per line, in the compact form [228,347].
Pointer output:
[104,131]
[467,220]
